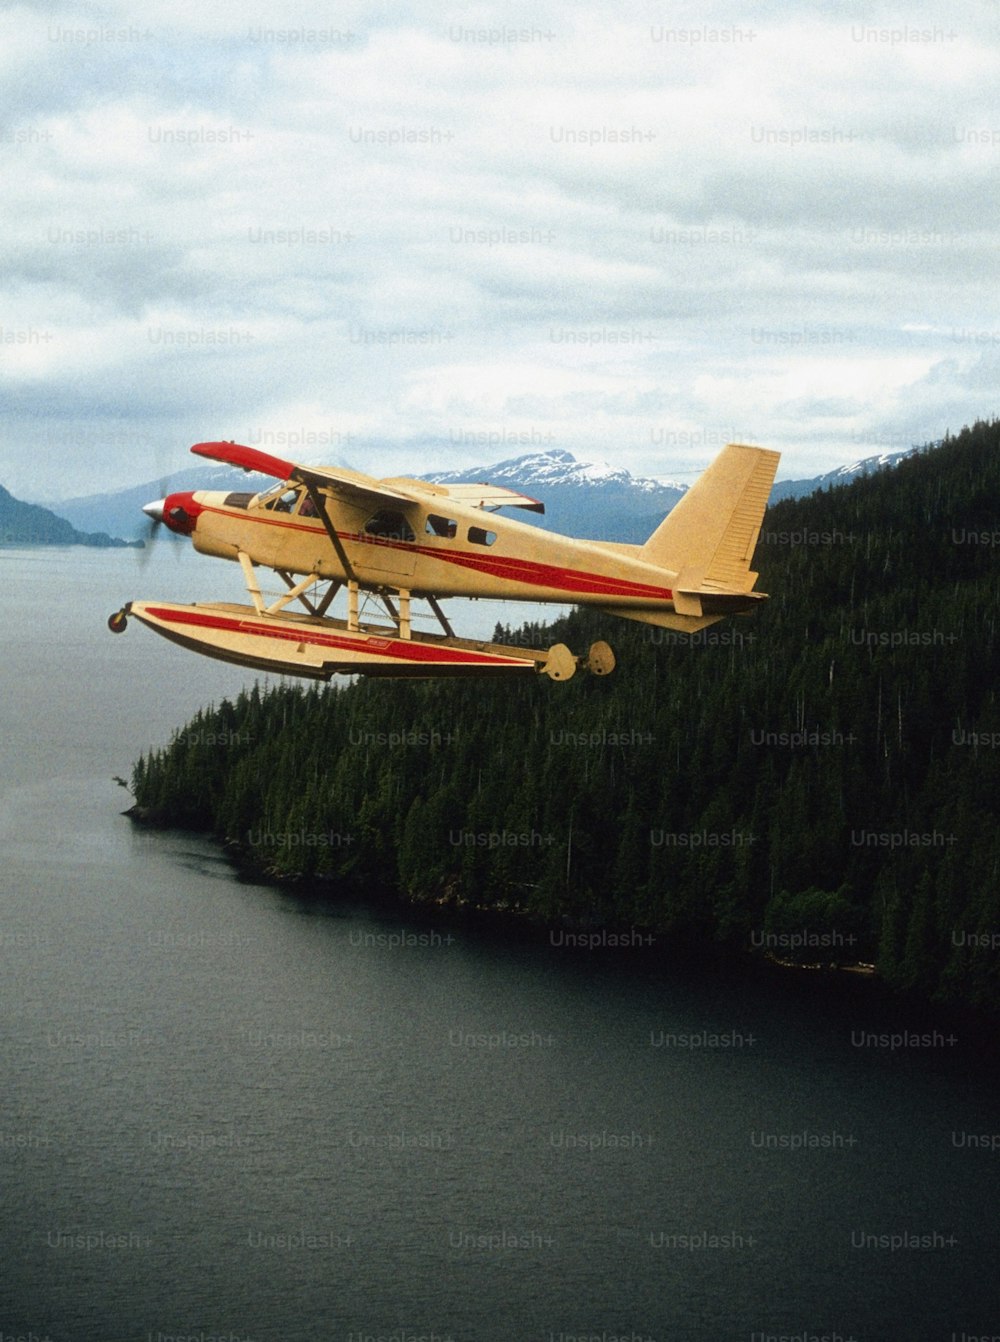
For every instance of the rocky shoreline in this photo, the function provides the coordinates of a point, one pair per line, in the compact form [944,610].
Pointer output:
[451,904]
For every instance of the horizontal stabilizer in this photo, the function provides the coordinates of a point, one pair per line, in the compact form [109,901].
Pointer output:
[476,496]
[664,619]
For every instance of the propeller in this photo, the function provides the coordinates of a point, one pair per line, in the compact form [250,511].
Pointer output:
[154,512]
[156,521]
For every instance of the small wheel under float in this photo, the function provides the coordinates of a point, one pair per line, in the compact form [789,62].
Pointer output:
[560,663]
[600,660]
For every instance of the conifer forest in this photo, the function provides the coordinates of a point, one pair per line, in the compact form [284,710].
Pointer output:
[820,778]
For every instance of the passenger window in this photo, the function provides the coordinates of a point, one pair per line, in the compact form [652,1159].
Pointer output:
[389,526]
[441,526]
[480,537]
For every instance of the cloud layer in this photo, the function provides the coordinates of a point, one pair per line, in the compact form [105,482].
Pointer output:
[633,234]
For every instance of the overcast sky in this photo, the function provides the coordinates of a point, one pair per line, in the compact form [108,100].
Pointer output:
[410,237]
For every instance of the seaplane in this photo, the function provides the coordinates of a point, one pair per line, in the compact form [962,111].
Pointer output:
[393,541]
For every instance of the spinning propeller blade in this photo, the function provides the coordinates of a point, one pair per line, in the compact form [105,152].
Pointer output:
[154,511]
[154,527]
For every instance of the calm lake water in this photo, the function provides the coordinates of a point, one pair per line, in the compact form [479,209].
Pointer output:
[229,1112]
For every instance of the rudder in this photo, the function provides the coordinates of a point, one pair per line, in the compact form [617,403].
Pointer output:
[709,537]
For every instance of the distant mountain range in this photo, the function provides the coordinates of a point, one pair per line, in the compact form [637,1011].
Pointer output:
[120,512]
[593,500]
[30,524]
[841,475]
[597,501]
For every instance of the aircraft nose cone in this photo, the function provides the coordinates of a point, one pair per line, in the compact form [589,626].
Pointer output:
[154,510]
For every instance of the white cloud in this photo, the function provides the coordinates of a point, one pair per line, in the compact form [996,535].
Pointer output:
[627,233]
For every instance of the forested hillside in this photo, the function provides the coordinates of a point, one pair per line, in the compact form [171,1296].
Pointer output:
[30,524]
[821,778]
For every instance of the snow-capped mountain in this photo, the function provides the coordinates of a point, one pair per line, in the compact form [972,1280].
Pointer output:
[557,467]
[589,499]
[841,475]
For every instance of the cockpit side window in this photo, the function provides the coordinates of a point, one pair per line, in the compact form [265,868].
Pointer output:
[480,537]
[445,527]
[389,525]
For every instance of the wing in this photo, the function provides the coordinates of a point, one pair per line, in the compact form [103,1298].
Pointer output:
[351,486]
[476,496]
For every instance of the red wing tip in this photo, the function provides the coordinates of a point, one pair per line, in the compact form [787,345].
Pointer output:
[249,458]
[221,451]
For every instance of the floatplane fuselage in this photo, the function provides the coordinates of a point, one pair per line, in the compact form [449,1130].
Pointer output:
[402,539]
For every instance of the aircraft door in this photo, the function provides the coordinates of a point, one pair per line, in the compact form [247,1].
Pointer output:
[388,545]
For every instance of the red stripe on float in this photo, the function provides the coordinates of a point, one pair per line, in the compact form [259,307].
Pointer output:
[388,647]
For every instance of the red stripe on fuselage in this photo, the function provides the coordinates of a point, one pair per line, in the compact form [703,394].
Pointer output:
[532,572]
[527,571]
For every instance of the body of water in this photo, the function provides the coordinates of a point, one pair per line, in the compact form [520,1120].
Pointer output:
[229,1111]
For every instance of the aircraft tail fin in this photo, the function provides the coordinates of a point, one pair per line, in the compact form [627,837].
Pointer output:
[708,539]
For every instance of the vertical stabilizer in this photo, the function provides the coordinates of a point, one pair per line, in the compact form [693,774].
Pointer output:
[708,539]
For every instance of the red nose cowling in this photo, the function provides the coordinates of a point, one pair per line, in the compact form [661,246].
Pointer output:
[180,513]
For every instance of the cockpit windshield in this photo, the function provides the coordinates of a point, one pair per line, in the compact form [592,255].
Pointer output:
[281,499]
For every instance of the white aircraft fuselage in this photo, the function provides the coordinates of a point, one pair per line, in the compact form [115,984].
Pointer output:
[460,551]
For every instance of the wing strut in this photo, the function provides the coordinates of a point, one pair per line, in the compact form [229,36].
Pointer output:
[401,617]
[296,592]
[319,503]
[313,607]
[432,601]
[250,578]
